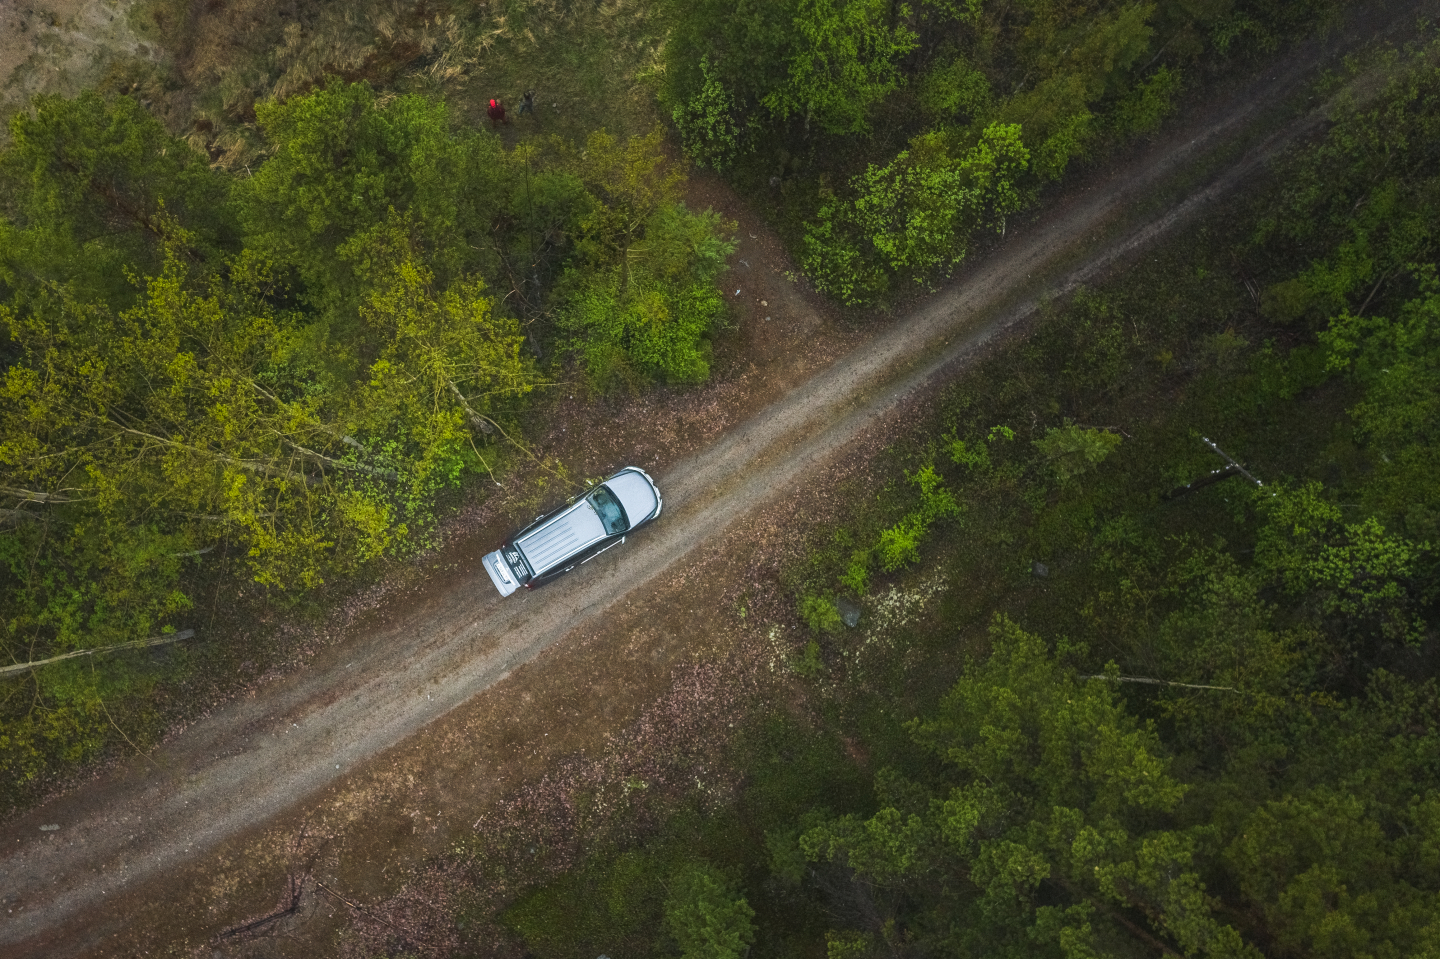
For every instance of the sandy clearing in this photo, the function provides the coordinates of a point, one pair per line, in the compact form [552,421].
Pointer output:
[254,759]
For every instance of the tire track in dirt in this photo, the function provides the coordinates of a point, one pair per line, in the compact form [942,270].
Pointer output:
[252,760]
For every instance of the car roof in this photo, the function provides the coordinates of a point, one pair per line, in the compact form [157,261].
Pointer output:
[635,493]
[554,542]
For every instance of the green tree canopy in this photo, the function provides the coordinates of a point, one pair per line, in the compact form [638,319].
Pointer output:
[343,160]
[917,214]
[1056,824]
[92,187]
[843,63]
[706,916]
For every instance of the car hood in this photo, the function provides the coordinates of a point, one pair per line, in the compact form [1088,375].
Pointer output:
[636,493]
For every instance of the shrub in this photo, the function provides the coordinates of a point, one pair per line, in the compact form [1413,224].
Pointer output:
[1074,450]
[900,544]
[917,213]
[820,614]
[955,87]
[1152,100]
[707,125]
[653,330]
[707,916]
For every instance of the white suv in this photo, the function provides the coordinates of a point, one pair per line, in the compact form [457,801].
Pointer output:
[575,533]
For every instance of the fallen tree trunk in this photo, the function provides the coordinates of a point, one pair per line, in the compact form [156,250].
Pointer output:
[137,644]
[1204,481]
[481,423]
[1159,682]
[30,496]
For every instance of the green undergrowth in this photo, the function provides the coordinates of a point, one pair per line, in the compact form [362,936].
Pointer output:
[618,901]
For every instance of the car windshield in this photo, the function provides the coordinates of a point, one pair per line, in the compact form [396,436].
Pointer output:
[610,511]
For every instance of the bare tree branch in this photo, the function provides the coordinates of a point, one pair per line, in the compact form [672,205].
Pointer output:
[322,460]
[1159,682]
[34,497]
[252,466]
[215,518]
[297,889]
[14,517]
[1227,457]
[325,427]
[1215,476]
[1373,290]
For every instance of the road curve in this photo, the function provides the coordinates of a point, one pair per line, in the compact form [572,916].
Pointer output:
[257,757]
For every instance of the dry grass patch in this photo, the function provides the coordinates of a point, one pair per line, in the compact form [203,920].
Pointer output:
[588,62]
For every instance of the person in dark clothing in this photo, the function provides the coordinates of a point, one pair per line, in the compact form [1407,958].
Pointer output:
[527,104]
[497,114]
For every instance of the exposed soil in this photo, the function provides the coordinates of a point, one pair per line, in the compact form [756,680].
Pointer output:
[381,753]
[61,46]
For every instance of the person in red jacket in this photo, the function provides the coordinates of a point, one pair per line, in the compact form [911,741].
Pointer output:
[497,114]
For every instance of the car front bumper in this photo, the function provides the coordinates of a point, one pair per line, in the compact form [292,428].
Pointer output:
[500,573]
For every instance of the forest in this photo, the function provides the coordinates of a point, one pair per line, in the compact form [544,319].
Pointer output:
[301,322]
[1161,702]
[1161,705]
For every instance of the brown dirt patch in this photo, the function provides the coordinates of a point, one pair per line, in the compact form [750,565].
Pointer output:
[61,46]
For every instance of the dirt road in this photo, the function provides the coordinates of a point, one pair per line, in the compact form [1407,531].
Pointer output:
[259,757]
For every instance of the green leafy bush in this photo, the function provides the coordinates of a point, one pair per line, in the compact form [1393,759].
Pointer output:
[1149,103]
[1075,450]
[650,330]
[820,614]
[706,916]
[634,324]
[856,577]
[707,123]
[954,88]
[916,215]
[900,544]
